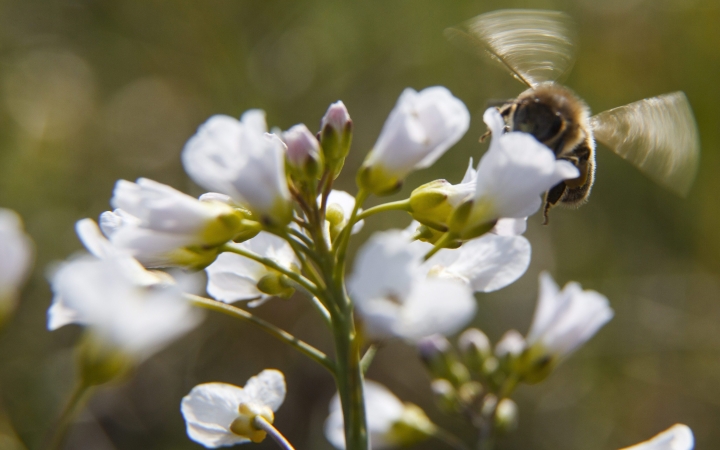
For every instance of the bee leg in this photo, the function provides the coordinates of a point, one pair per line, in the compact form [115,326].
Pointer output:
[552,197]
[485,135]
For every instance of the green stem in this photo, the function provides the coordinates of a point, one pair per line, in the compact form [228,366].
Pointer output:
[304,282]
[301,346]
[439,245]
[344,238]
[450,439]
[77,400]
[400,205]
[262,424]
[349,382]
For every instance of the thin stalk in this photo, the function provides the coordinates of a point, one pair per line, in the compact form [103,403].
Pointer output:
[301,346]
[349,382]
[439,245]
[261,423]
[298,234]
[450,439]
[400,205]
[304,282]
[368,357]
[77,400]
[344,239]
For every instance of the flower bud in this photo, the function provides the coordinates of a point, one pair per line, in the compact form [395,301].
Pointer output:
[475,349]
[506,416]
[335,136]
[470,392]
[244,424]
[304,157]
[441,361]
[509,349]
[275,284]
[436,352]
[433,203]
[445,395]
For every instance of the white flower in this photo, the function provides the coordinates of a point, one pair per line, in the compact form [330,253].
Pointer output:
[487,263]
[220,414]
[238,158]
[677,437]
[16,257]
[340,205]
[390,422]
[123,311]
[394,296]
[513,173]
[421,127]
[566,319]
[163,227]
[233,278]
[59,314]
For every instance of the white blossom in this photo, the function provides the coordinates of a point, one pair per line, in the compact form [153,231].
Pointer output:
[677,437]
[566,319]
[60,314]
[390,422]
[159,225]
[238,158]
[16,257]
[487,264]
[395,297]
[123,311]
[420,128]
[513,173]
[215,412]
[233,278]
[342,204]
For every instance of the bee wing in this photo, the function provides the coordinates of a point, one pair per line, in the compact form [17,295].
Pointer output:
[534,45]
[658,135]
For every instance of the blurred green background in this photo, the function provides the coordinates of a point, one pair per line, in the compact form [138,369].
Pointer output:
[96,90]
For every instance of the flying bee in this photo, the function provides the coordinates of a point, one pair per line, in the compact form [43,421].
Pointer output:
[658,135]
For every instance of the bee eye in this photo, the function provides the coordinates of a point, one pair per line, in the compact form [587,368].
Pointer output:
[539,120]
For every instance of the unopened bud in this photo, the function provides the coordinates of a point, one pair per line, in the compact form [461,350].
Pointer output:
[304,157]
[506,416]
[445,395]
[509,350]
[335,136]
[274,284]
[475,349]
[470,392]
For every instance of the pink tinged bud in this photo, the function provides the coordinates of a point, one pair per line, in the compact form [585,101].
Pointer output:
[302,146]
[335,136]
[336,117]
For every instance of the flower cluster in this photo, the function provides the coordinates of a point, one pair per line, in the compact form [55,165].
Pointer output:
[273,226]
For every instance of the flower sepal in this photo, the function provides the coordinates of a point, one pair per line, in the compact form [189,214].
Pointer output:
[244,424]
[413,427]
[99,362]
[378,181]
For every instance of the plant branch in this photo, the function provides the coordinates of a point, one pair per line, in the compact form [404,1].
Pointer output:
[304,282]
[303,347]
[400,205]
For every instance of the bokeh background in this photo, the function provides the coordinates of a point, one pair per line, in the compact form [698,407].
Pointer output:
[92,91]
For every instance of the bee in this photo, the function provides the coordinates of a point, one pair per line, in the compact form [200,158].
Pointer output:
[658,135]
